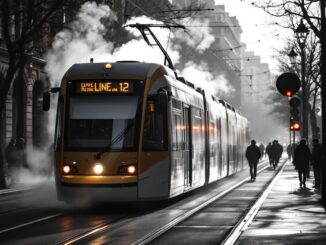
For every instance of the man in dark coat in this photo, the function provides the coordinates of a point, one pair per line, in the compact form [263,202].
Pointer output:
[262,150]
[274,153]
[268,151]
[279,151]
[253,155]
[289,151]
[316,161]
[301,159]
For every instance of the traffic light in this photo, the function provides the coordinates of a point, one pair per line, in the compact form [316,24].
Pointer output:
[295,126]
[288,84]
[294,108]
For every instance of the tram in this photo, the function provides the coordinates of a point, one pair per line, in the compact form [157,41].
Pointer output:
[131,131]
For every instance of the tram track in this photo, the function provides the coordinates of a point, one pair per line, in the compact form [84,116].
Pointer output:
[106,229]
[152,232]
[237,228]
[150,237]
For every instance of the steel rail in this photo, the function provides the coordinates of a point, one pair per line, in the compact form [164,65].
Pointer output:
[158,232]
[247,219]
[109,226]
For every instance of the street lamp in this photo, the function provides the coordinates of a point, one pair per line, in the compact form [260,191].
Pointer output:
[293,56]
[301,34]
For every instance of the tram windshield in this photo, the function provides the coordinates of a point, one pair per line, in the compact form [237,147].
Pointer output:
[99,121]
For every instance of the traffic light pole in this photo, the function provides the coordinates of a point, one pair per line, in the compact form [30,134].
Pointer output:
[290,130]
[294,138]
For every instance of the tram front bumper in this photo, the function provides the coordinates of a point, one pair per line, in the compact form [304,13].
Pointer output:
[97,188]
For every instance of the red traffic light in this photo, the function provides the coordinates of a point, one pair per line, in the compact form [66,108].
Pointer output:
[288,84]
[295,126]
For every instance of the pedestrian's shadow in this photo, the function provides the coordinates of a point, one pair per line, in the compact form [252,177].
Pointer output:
[304,192]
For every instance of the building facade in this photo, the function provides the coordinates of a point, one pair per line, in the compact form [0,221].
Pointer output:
[224,54]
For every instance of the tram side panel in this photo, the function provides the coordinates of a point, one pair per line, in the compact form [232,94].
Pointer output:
[213,145]
[154,163]
[178,157]
[223,123]
[231,141]
[217,168]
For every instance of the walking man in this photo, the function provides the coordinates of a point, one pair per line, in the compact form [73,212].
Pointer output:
[301,159]
[274,153]
[316,161]
[268,151]
[253,155]
[262,150]
[289,151]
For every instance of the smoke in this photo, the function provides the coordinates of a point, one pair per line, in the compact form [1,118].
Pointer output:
[84,38]
[197,38]
[200,74]
[87,37]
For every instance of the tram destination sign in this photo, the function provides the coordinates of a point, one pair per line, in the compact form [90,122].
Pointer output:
[107,87]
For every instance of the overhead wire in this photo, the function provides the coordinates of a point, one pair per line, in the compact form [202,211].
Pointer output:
[211,51]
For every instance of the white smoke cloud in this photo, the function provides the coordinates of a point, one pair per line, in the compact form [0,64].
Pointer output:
[200,75]
[198,35]
[83,39]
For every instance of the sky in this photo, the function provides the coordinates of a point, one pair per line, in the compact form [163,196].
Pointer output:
[256,25]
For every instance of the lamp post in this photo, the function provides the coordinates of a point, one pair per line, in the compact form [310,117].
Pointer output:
[293,56]
[301,34]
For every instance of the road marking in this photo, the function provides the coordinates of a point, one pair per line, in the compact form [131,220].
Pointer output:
[30,223]
[10,191]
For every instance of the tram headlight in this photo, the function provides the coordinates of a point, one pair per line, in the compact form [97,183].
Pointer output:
[98,168]
[66,169]
[131,169]
[127,169]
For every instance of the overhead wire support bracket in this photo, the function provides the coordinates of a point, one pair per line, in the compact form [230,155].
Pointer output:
[145,30]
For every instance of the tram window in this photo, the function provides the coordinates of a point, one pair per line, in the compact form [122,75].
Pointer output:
[58,134]
[154,127]
[177,132]
[102,121]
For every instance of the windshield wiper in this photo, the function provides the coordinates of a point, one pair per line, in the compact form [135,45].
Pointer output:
[115,140]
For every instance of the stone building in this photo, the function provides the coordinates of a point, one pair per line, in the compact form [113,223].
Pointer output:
[256,79]
[224,55]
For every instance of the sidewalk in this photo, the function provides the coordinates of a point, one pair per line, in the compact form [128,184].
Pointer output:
[289,215]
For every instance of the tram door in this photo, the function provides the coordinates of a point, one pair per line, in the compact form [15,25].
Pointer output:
[187,147]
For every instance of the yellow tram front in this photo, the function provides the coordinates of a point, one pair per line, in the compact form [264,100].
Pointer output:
[109,134]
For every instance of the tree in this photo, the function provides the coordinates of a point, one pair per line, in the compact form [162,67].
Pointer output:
[21,21]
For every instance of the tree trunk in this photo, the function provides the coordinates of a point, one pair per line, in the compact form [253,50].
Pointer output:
[313,122]
[2,160]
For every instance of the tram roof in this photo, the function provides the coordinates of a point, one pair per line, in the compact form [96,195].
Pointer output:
[125,68]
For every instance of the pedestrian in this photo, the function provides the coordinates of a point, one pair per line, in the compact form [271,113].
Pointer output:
[274,153]
[11,158]
[289,151]
[301,159]
[279,151]
[253,155]
[268,151]
[262,150]
[316,161]
[21,156]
